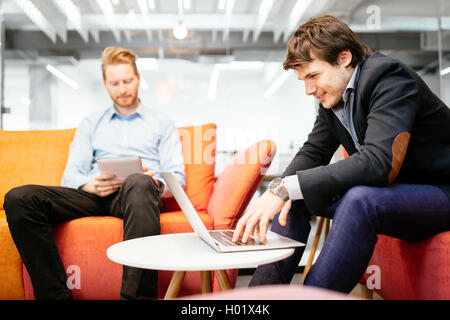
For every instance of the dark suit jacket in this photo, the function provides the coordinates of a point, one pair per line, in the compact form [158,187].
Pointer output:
[403,130]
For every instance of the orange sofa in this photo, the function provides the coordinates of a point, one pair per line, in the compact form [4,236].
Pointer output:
[39,157]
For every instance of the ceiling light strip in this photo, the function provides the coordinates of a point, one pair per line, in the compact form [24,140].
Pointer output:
[263,14]
[63,77]
[277,84]
[445,71]
[73,15]
[228,13]
[297,13]
[108,11]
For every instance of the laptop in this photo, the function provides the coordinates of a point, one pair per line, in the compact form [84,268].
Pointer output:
[220,240]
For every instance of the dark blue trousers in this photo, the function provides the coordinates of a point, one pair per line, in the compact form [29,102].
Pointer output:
[404,211]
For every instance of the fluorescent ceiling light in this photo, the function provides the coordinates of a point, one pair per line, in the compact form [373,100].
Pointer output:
[233,65]
[180,9]
[151,4]
[241,65]
[229,7]
[108,11]
[116,2]
[296,14]
[71,11]
[445,71]
[147,64]
[180,31]
[213,83]
[187,4]
[131,15]
[25,100]
[277,84]
[222,4]
[263,13]
[143,6]
[63,77]
[229,11]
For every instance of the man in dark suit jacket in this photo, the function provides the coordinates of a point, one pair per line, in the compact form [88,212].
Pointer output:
[396,180]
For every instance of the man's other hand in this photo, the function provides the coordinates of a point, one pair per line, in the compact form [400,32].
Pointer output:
[103,185]
[153,175]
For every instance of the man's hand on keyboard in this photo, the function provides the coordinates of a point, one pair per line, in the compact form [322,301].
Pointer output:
[261,211]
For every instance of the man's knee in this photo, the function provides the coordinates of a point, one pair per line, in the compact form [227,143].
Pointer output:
[362,195]
[18,199]
[361,202]
[141,182]
[140,198]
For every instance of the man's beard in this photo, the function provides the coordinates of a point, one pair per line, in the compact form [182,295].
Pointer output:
[119,104]
[342,82]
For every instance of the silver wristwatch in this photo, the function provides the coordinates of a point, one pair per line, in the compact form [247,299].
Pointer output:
[277,187]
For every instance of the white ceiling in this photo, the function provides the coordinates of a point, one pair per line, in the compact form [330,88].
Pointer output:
[252,28]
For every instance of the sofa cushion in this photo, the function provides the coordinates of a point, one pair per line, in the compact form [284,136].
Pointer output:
[32,157]
[242,176]
[199,152]
[176,222]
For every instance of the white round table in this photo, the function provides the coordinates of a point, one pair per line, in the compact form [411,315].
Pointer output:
[183,252]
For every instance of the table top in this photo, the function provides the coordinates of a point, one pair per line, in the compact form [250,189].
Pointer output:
[186,252]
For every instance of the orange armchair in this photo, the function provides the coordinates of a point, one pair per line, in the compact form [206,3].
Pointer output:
[39,157]
[411,270]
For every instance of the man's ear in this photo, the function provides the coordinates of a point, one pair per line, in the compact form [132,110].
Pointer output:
[345,58]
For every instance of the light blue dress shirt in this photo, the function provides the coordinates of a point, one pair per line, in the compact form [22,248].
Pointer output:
[344,112]
[146,133]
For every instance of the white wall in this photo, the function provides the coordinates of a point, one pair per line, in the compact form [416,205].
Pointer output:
[180,89]
[16,96]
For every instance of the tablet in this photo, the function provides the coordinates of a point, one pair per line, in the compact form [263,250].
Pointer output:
[121,167]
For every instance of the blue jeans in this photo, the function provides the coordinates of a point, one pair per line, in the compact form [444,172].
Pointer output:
[404,211]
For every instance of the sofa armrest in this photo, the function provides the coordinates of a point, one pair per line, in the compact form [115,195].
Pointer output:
[238,182]
[11,283]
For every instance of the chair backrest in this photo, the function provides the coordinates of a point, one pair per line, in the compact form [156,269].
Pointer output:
[238,182]
[199,152]
[344,153]
[32,157]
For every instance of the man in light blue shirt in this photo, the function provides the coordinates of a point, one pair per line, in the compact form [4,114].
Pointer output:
[128,128]
[146,133]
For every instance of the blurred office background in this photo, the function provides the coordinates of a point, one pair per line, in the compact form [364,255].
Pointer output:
[201,60]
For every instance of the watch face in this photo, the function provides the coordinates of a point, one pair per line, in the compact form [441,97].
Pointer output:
[275,183]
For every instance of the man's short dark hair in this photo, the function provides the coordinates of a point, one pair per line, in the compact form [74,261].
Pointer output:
[325,37]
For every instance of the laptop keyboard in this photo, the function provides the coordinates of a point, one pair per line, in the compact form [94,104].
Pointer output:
[225,237]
